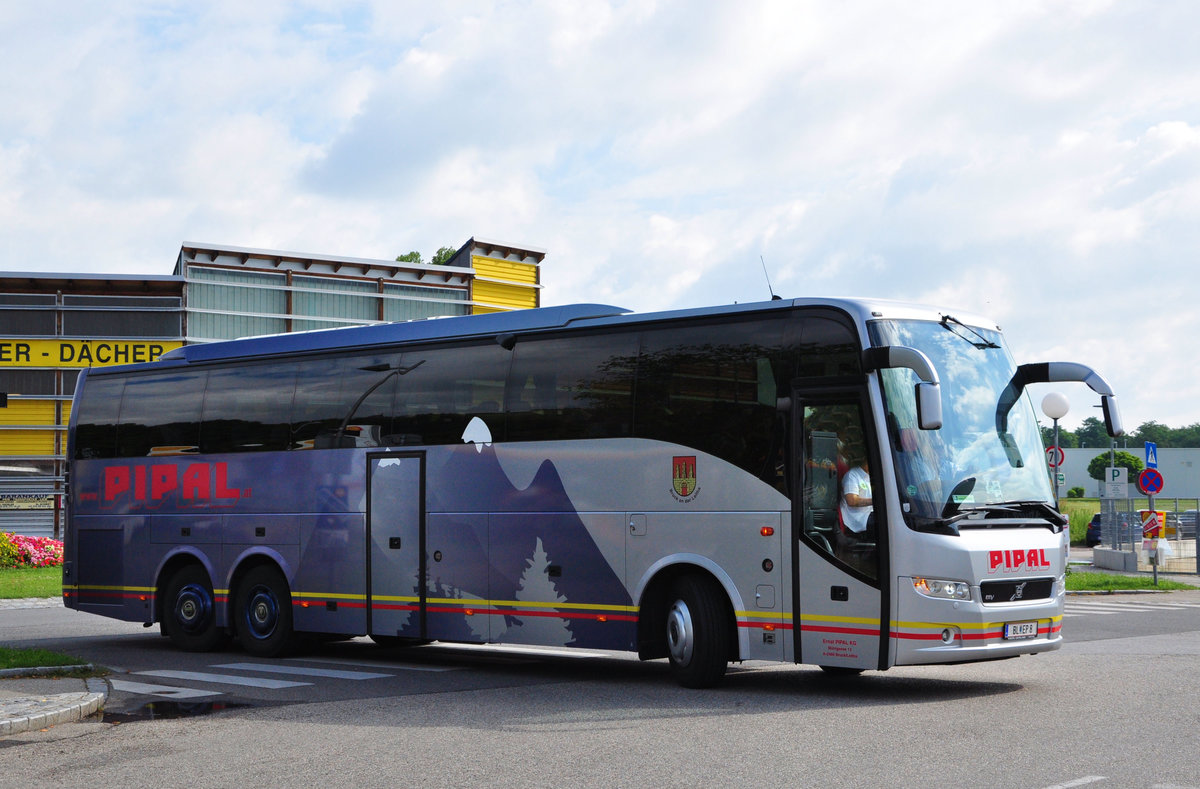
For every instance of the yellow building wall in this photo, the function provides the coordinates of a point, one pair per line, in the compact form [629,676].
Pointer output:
[26,442]
[28,412]
[517,291]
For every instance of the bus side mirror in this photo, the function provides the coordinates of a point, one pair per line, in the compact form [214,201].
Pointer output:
[929,405]
[928,389]
[1112,416]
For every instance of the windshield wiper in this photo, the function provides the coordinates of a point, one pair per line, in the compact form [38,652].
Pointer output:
[1036,509]
[982,343]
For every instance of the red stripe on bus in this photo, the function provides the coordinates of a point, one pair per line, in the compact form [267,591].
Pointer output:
[854,631]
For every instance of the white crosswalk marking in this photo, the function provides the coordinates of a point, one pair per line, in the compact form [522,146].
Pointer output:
[303,671]
[391,665]
[169,691]
[1108,605]
[292,668]
[225,679]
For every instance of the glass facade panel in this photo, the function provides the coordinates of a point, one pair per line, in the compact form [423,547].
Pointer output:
[120,323]
[25,298]
[27,323]
[248,311]
[417,303]
[330,298]
[128,302]
[28,382]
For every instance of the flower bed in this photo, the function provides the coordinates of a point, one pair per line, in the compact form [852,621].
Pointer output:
[20,551]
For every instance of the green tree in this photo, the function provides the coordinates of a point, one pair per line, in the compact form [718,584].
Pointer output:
[1066,438]
[409,257]
[1092,434]
[1121,459]
[1155,433]
[442,256]
[1188,436]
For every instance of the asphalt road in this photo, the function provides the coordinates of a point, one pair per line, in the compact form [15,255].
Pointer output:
[1116,707]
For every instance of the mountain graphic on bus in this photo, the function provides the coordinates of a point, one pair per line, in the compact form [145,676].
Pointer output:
[530,531]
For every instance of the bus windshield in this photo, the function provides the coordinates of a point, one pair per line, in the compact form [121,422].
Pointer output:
[969,465]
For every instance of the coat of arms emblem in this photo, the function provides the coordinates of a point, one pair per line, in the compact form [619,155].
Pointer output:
[684,475]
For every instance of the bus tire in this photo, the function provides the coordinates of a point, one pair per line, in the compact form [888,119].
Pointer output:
[262,613]
[190,614]
[697,632]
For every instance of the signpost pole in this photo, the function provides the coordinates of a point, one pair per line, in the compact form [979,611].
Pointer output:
[1154,539]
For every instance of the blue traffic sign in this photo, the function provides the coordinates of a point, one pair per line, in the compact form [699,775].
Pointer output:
[1151,455]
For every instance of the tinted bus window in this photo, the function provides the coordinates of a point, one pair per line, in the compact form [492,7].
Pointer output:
[160,414]
[97,412]
[578,387]
[714,388]
[827,347]
[448,386]
[355,391]
[246,409]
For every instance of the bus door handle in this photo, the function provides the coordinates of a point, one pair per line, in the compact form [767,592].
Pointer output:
[394,543]
[637,525]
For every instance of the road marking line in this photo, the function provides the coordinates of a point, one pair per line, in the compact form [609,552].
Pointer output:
[160,690]
[380,664]
[302,671]
[1087,779]
[225,679]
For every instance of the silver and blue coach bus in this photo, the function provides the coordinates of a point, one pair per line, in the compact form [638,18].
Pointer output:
[675,484]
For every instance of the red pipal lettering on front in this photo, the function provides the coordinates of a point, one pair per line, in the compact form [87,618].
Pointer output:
[1018,560]
[196,485]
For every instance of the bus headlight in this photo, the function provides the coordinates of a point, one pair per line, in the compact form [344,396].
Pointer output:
[943,590]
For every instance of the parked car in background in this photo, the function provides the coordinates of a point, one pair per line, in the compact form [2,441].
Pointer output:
[1125,530]
[1187,524]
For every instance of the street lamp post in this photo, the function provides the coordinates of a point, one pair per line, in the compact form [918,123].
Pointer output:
[1055,406]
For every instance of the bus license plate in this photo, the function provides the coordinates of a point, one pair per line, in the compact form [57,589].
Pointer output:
[1021,630]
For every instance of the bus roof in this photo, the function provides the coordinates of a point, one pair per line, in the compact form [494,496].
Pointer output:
[500,323]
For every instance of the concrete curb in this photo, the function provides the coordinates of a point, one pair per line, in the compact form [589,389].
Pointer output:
[19,715]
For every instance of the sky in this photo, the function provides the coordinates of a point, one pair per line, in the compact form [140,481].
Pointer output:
[1036,162]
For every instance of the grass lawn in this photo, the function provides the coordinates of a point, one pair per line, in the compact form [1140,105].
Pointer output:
[1106,582]
[10,657]
[30,582]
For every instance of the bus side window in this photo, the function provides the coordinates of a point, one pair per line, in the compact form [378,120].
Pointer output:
[96,421]
[568,388]
[161,414]
[246,408]
[437,399]
[713,387]
[328,393]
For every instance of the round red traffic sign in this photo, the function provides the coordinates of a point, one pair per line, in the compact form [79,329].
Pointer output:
[1150,482]
[1055,456]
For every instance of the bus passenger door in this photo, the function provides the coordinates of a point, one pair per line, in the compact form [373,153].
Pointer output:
[395,539]
[839,617]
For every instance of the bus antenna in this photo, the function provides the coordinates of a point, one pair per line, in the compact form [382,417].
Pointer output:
[768,277]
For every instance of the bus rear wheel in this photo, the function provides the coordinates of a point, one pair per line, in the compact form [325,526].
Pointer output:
[697,631]
[262,613]
[190,618]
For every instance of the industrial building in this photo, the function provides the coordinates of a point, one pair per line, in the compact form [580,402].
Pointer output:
[54,325]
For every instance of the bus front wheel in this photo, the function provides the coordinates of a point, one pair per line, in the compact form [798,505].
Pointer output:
[190,617]
[263,613]
[697,632]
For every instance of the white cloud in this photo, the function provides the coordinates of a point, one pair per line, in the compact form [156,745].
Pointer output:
[1038,162]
